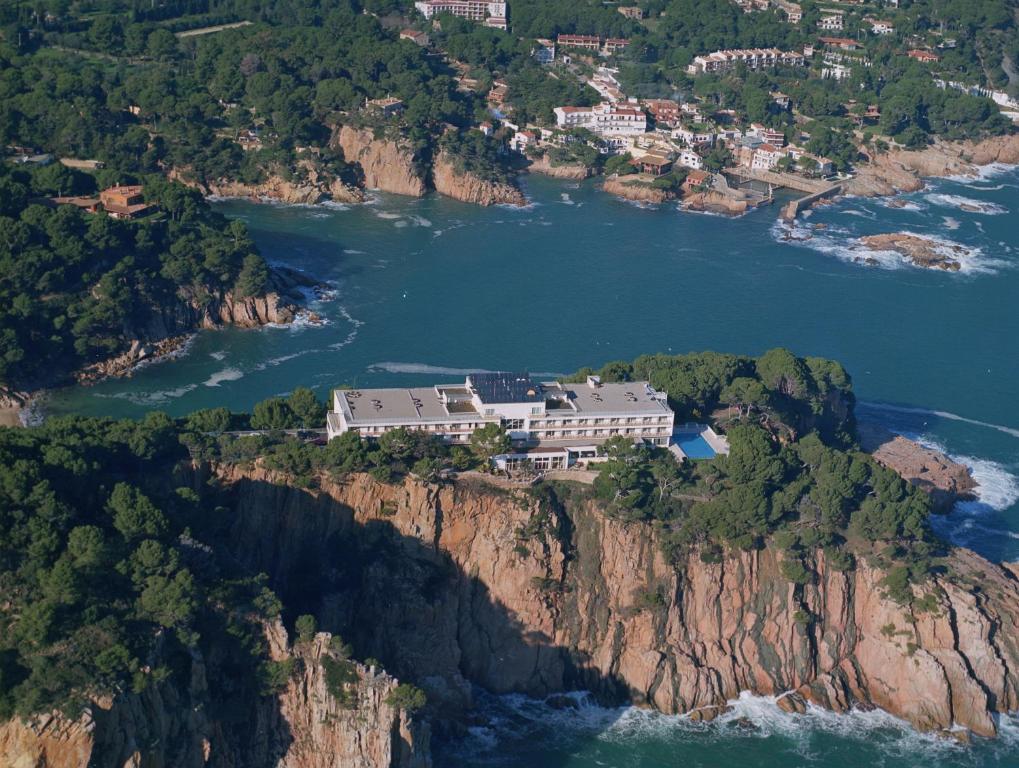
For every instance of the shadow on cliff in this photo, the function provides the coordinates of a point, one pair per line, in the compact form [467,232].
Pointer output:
[399,599]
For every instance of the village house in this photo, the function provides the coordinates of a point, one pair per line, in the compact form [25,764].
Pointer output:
[416,37]
[550,424]
[831,20]
[666,112]
[654,165]
[588,42]
[688,158]
[124,202]
[766,157]
[694,138]
[614,45]
[390,106]
[631,11]
[769,135]
[843,43]
[924,56]
[793,12]
[882,27]
[521,141]
[695,181]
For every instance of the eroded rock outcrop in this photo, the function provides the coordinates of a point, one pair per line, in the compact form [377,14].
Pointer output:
[312,187]
[459,583]
[470,188]
[946,481]
[920,251]
[303,726]
[385,164]
[163,330]
[545,167]
[903,170]
[631,188]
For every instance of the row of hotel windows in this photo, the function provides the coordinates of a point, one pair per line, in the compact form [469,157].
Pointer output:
[586,421]
[464,430]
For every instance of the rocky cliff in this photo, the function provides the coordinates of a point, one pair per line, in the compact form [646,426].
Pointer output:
[902,170]
[458,584]
[470,188]
[314,188]
[634,189]
[386,165]
[303,726]
[162,329]
[545,167]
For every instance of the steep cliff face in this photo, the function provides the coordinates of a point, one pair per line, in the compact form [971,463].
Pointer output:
[386,165]
[313,189]
[301,727]
[161,331]
[468,188]
[461,583]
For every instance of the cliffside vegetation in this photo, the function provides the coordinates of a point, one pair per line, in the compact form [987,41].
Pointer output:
[793,472]
[109,558]
[76,288]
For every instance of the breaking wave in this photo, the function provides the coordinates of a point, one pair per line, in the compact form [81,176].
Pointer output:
[845,245]
[967,204]
[754,726]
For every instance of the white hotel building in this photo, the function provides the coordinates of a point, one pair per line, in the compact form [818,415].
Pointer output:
[551,424]
[604,118]
[492,12]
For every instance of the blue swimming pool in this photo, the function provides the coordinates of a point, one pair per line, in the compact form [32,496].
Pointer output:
[695,446]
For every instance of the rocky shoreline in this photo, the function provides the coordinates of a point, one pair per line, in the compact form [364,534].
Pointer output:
[945,480]
[902,170]
[167,331]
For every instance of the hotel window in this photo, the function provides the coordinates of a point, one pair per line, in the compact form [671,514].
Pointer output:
[536,411]
[513,424]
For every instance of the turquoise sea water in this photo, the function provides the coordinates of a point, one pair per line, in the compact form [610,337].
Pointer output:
[428,289]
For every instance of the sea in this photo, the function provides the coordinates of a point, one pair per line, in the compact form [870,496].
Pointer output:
[425,290]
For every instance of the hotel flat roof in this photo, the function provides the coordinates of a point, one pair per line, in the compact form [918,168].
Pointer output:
[394,405]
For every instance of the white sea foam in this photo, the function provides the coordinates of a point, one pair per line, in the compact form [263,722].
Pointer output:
[355,326]
[390,367]
[227,374]
[838,242]
[334,206]
[910,205]
[950,224]
[388,215]
[220,355]
[420,221]
[400,223]
[565,198]
[352,252]
[967,204]
[151,398]
[574,715]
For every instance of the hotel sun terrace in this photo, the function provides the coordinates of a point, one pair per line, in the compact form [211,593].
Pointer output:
[551,424]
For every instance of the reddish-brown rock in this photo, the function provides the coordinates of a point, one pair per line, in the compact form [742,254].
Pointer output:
[561,609]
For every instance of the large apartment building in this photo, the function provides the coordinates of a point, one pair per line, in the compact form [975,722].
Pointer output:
[492,12]
[604,118]
[551,424]
[752,58]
